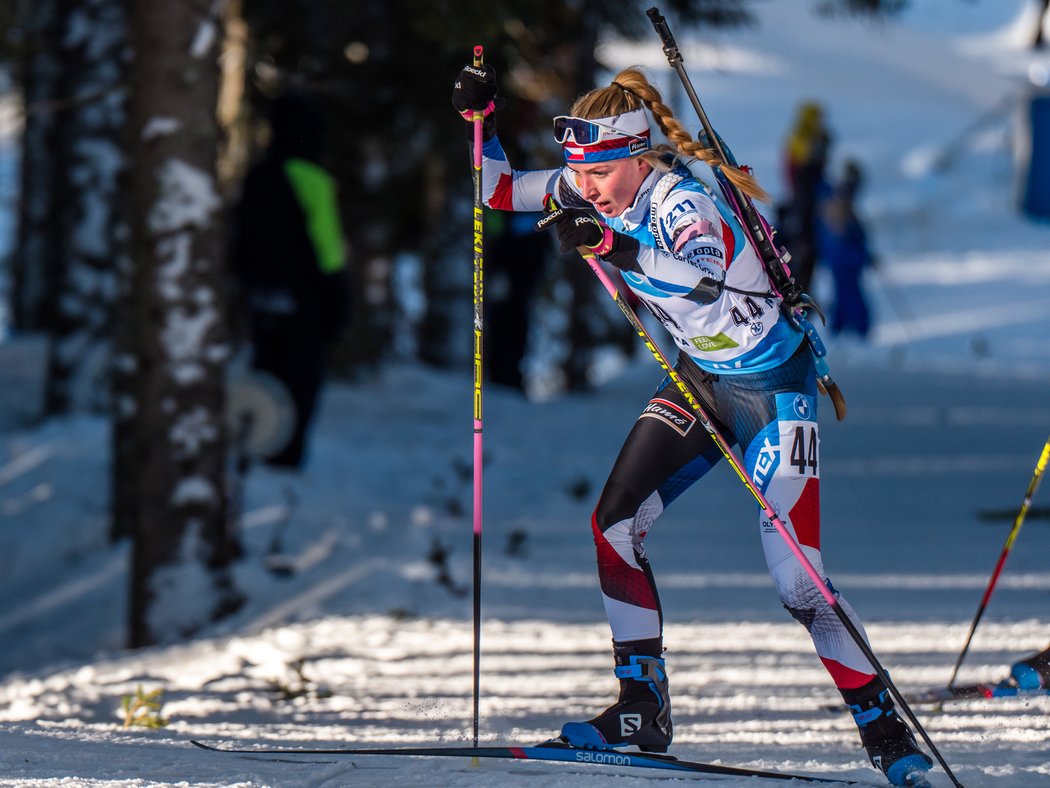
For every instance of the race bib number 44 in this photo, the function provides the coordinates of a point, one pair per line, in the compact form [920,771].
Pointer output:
[799,436]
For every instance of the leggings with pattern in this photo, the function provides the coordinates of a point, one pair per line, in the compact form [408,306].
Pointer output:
[772,416]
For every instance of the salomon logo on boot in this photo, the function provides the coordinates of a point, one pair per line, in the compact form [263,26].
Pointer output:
[888,741]
[630,724]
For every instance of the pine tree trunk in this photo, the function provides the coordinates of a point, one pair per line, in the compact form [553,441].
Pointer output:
[180,561]
[92,123]
[70,233]
[37,261]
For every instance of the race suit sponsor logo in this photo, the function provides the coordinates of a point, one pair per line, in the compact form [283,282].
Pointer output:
[766,524]
[710,251]
[765,463]
[603,756]
[637,145]
[680,420]
[802,407]
[711,344]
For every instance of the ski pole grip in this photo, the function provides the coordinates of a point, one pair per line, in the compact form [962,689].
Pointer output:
[666,37]
[479,117]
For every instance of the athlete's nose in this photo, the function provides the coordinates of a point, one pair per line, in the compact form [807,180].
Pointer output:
[588,189]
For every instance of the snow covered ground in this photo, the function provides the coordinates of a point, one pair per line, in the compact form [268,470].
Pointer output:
[366,637]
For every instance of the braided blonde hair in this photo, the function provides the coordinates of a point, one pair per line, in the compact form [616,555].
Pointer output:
[631,90]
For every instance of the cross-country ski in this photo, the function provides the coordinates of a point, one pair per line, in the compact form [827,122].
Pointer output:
[976,692]
[548,751]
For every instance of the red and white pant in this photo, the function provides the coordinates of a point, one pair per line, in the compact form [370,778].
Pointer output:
[772,417]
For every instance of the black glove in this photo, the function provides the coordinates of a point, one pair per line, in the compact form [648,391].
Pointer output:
[475,90]
[578,227]
[574,226]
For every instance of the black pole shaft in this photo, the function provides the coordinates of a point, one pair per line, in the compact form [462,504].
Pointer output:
[477,636]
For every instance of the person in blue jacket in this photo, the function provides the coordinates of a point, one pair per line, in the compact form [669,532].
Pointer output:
[844,250]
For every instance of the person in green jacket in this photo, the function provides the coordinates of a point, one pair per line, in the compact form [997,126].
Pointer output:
[289,256]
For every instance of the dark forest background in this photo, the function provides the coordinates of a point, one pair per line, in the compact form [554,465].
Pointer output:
[139,121]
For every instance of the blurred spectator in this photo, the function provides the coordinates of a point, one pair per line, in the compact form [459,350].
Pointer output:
[806,153]
[844,250]
[518,258]
[289,256]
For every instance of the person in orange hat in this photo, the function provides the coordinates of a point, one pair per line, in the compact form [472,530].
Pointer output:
[806,152]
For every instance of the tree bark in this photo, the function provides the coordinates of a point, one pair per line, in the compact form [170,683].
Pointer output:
[71,234]
[37,261]
[180,577]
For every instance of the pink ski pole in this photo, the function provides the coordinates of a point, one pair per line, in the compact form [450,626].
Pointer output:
[479,225]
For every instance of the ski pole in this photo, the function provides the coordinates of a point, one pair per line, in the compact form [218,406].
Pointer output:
[755,227]
[1033,485]
[738,467]
[479,226]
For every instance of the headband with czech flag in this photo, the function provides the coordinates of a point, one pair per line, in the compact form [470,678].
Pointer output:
[586,140]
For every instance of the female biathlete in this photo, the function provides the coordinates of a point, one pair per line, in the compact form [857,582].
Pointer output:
[683,253]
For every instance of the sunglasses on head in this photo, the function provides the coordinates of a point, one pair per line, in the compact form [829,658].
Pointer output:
[586,132]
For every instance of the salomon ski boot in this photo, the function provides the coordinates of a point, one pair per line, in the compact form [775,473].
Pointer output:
[641,715]
[886,737]
[1032,673]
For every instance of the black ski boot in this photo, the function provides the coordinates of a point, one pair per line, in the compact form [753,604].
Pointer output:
[642,714]
[886,737]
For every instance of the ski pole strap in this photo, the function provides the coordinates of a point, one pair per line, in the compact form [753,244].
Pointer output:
[755,293]
[472,114]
